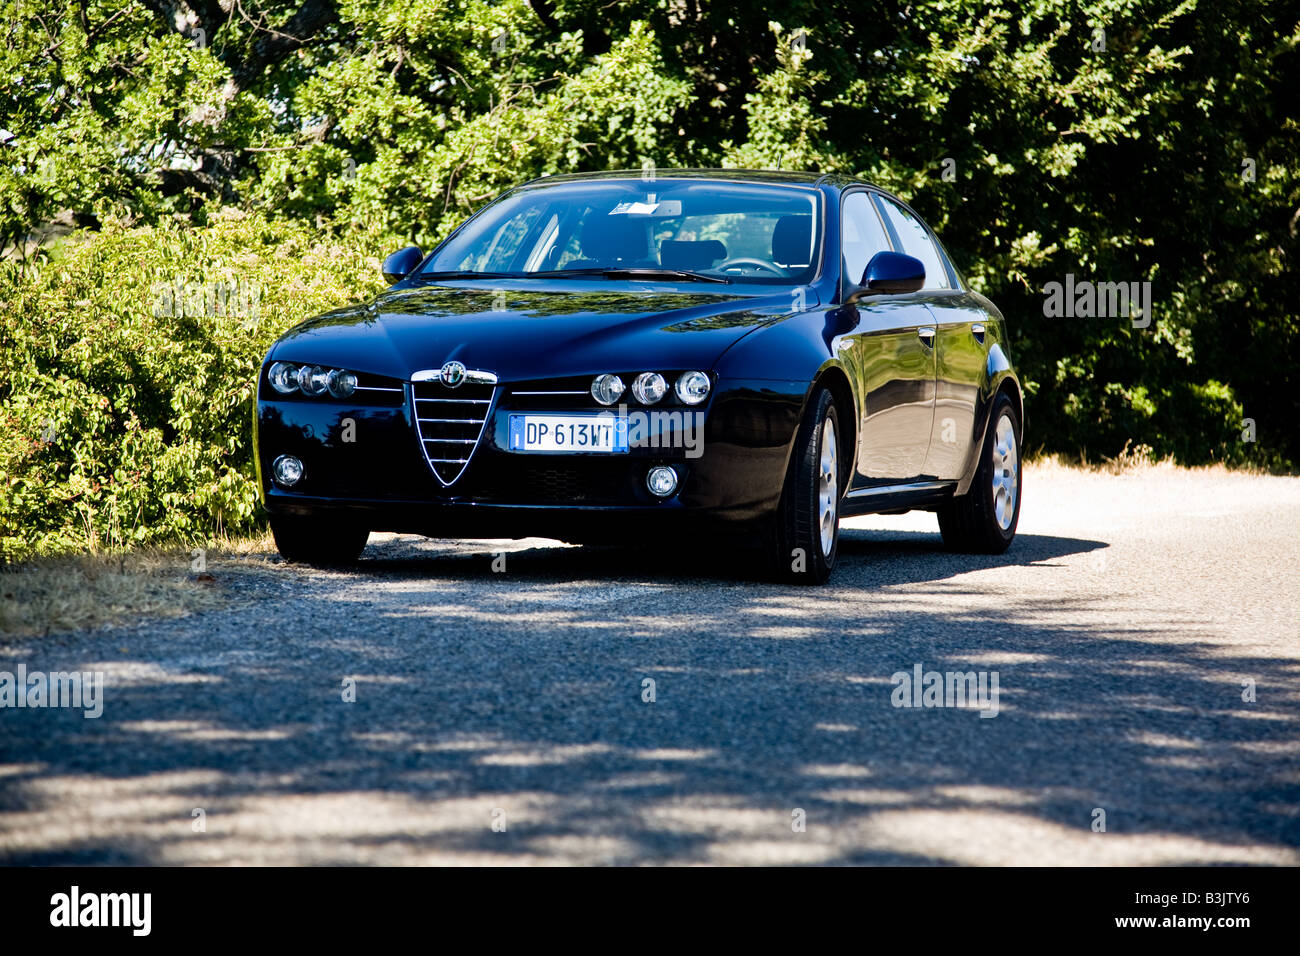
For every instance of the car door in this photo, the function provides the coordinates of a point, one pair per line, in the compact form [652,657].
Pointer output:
[961,352]
[959,349]
[889,353]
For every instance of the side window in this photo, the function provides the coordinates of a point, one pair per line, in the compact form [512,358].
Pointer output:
[863,236]
[916,242]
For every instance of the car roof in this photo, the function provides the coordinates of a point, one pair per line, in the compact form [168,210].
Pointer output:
[770,176]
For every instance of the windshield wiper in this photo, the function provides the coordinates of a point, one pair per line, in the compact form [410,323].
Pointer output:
[633,273]
[629,273]
[466,275]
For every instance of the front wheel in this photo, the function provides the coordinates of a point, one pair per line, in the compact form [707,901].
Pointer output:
[311,540]
[806,530]
[983,521]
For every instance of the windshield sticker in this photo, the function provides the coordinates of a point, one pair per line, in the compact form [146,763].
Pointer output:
[669,207]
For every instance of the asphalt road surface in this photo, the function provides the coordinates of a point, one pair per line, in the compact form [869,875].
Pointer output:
[501,717]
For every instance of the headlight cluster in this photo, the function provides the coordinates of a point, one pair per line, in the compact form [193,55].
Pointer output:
[649,387]
[312,380]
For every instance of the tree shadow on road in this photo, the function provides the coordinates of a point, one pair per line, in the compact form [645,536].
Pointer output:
[483,697]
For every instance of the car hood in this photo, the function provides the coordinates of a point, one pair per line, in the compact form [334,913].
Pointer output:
[528,333]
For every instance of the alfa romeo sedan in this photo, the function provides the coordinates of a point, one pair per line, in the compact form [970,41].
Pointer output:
[625,357]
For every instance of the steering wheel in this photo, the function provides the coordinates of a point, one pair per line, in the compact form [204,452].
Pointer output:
[755,263]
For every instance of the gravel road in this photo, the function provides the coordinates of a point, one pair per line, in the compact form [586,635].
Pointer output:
[500,717]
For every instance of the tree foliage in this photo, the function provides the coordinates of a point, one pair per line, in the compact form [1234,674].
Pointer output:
[129,386]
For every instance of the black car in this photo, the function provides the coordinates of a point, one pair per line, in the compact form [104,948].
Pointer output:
[596,356]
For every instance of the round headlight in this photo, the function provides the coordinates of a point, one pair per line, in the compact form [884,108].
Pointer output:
[313,380]
[649,387]
[287,470]
[284,377]
[693,387]
[341,384]
[607,388]
[661,481]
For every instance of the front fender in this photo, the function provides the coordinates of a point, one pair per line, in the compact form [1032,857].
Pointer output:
[998,375]
[788,357]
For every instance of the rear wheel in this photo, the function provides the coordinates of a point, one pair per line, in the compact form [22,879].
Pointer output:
[983,521]
[806,530]
[311,540]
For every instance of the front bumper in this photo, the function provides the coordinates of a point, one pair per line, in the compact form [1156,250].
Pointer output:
[366,463]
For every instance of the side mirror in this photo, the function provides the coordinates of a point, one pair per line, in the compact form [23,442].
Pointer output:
[399,265]
[889,273]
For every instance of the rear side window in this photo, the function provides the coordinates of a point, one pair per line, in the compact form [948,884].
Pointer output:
[864,236]
[917,243]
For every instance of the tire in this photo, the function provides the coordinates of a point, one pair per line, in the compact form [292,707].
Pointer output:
[984,520]
[805,533]
[310,540]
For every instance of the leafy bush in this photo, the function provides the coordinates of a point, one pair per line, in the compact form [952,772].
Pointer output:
[127,375]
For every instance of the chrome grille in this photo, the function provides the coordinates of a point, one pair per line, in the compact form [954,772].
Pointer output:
[449,422]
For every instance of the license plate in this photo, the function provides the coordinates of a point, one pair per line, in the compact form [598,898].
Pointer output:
[600,432]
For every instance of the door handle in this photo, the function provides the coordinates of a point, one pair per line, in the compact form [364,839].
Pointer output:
[977,330]
[927,335]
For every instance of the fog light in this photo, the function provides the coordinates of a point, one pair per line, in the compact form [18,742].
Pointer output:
[649,387]
[287,470]
[606,388]
[661,481]
[284,377]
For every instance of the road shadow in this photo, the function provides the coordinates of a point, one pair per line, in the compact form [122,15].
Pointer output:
[525,693]
[886,557]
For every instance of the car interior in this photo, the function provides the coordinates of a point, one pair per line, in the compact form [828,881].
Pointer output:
[750,234]
[626,242]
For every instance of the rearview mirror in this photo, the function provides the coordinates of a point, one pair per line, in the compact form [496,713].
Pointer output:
[399,265]
[889,273]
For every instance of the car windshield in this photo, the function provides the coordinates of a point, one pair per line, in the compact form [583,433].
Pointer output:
[694,230]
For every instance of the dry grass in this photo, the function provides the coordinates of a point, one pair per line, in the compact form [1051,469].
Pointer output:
[86,591]
[1138,459]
